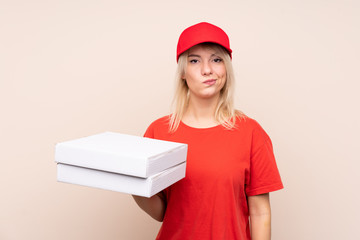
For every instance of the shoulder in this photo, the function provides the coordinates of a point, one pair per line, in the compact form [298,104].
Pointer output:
[160,122]
[252,127]
[159,125]
[244,121]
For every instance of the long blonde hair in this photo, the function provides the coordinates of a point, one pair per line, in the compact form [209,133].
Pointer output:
[225,112]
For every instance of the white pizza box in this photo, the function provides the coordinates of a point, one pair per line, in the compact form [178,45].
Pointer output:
[121,153]
[145,187]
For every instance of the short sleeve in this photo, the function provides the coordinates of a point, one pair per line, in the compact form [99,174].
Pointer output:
[264,175]
[149,133]
[158,128]
[152,132]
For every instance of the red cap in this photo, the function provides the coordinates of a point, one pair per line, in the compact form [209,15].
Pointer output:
[200,33]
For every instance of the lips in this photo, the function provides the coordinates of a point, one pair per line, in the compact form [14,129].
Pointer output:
[210,81]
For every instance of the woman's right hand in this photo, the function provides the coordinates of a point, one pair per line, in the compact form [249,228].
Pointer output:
[155,206]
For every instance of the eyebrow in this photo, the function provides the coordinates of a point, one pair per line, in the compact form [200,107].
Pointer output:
[195,55]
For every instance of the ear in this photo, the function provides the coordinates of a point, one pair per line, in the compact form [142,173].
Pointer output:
[184,81]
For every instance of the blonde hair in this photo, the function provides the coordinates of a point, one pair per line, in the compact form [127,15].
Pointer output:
[225,112]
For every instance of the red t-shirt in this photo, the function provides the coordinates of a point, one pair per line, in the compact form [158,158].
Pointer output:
[223,168]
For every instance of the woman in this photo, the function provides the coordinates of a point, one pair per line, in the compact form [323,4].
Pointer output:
[230,163]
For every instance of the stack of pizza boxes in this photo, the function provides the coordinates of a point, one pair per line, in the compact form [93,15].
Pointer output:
[120,162]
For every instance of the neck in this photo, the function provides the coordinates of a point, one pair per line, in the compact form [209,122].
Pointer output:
[201,112]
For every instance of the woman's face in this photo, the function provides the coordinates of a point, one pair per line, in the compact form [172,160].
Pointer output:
[205,72]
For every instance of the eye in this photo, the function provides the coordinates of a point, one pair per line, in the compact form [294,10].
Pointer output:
[194,61]
[217,60]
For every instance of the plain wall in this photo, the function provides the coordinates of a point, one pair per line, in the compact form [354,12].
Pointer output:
[70,69]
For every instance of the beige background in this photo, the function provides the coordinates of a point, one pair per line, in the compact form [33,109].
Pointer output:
[74,68]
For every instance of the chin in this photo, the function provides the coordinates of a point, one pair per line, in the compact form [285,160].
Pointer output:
[209,96]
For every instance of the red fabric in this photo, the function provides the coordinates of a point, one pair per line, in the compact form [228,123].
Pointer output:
[223,168]
[201,33]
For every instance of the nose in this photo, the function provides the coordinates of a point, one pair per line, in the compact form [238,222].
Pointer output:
[206,68]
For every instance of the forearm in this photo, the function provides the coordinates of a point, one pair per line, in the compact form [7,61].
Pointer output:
[260,217]
[260,226]
[154,206]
